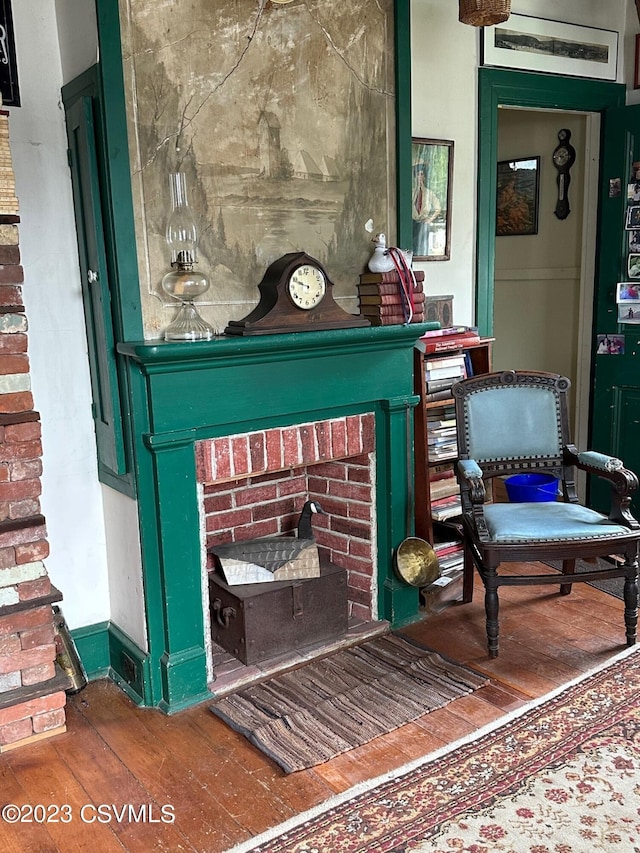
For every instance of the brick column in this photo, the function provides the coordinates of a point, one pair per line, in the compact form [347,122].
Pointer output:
[32,689]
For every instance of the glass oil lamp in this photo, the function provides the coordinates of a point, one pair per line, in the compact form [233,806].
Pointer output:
[183,282]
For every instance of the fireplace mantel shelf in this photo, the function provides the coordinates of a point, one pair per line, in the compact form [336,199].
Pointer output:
[155,353]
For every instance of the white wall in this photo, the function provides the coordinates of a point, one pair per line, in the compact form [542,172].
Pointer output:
[71,498]
[444,60]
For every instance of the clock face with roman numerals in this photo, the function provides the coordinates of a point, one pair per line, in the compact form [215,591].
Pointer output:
[307,287]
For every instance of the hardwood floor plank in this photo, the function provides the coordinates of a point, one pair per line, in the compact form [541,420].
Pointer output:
[167,777]
[108,781]
[18,837]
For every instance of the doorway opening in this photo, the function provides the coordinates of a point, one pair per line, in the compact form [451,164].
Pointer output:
[544,281]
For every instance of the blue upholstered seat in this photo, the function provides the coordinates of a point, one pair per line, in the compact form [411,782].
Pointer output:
[547,522]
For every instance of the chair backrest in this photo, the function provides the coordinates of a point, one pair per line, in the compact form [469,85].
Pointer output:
[512,420]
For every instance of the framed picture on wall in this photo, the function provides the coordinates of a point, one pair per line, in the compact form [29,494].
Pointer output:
[432,175]
[517,195]
[552,47]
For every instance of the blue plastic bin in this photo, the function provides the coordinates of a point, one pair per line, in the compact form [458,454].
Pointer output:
[531,488]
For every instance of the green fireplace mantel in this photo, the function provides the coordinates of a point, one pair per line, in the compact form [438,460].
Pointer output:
[181,393]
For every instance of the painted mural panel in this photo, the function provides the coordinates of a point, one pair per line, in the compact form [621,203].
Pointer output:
[282,118]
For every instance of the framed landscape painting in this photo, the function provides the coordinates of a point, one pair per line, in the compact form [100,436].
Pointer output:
[551,47]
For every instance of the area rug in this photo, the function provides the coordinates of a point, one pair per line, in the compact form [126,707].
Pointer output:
[560,776]
[328,706]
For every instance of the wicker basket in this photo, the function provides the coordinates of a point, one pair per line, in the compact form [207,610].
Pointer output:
[484,13]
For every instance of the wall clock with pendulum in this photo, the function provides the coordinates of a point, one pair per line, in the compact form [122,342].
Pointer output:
[295,296]
[563,157]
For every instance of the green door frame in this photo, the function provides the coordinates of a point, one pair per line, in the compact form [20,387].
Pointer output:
[498,88]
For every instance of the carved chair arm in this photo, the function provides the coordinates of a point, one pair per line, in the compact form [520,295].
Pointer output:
[470,475]
[474,494]
[623,481]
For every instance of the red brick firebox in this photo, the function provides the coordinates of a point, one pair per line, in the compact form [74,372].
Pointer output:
[32,692]
[256,483]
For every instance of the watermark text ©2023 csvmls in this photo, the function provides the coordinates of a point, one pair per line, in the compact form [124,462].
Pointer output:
[88,813]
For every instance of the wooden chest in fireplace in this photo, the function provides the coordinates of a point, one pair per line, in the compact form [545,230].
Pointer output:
[258,621]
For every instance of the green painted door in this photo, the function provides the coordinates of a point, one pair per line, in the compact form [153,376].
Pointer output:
[615,415]
[96,293]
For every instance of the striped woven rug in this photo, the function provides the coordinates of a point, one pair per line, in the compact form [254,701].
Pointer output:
[309,715]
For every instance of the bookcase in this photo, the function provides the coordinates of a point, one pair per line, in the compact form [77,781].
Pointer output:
[437,496]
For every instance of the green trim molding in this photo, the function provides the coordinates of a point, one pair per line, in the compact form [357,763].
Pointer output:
[107,652]
[498,88]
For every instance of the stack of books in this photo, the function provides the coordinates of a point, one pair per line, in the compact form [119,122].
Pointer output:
[444,591]
[445,508]
[382,300]
[442,443]
[442,373]
[8,200]
[450,556]
[455,337]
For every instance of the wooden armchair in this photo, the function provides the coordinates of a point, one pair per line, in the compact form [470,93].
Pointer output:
[516,422]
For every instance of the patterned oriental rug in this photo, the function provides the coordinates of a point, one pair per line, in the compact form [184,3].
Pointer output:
[560,776]
[328,706]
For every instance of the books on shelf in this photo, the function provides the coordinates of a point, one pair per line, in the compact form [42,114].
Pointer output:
[386,310]
[445,508]
[454,371]
[453,338]
[444,451]
[388,300]
[390,277]
[384,302]
[443,361]
[443,488]
[393,319]
[441,471]
[442,394]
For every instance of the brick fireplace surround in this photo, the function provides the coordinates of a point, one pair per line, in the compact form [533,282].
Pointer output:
[254,484]
[32,691]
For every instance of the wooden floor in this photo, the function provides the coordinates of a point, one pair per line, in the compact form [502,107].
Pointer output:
[221,790]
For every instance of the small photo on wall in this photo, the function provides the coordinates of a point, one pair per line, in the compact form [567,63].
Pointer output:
[633,217]
[629,312]
[627,291]
[634,241]
[633,266]
[610,345]
[633,192]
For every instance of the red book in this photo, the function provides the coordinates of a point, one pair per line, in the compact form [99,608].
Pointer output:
[386,310]
[391,276]
[450,330]
[451,343]
[394,319]
[392,299]
[388,288]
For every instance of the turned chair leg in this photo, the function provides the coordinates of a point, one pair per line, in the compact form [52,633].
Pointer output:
[631,603]
[568,568]
[491,606]
[468,570]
